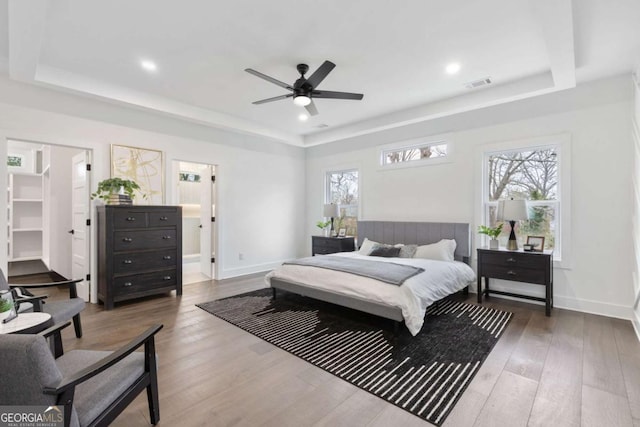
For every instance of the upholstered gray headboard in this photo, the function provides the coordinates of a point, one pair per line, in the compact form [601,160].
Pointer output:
[418,233]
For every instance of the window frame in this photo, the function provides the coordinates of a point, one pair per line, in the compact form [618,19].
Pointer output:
[327,185]
[416,143]
[562,143]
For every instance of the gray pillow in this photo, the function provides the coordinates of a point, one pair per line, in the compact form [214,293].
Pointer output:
[408,251]
[385,251]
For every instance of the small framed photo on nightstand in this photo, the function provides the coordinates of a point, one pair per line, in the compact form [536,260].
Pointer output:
[342,232]
[537,243]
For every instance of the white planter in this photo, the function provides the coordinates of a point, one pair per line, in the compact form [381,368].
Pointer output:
[494,244]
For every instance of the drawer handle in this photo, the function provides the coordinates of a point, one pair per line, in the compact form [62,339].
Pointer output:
[131,218]
[127,284]
[511,273]
[511,260]
[166,237]
[164,218]
[127,261]
[166,278]
[127,239]
[167,257]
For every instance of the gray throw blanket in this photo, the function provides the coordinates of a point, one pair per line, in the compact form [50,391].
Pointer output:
[392,273]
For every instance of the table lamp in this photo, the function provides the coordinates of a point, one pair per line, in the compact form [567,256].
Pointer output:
[331,210]
[512,210]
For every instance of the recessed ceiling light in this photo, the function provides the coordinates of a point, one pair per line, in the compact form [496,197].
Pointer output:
[303,117]
[149,65]
[453,68]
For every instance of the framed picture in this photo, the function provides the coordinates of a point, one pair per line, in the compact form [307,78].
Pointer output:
[145,167]
[342,232]
[537,242]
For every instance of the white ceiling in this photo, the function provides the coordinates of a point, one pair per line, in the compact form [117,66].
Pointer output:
[393,52]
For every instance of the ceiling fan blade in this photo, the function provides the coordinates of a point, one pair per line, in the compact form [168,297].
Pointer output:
[269,79]
[336,95]
[318,76]
[311,109]
[275,98]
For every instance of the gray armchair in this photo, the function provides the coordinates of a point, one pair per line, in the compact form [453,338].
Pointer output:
[93,386]
[60,311]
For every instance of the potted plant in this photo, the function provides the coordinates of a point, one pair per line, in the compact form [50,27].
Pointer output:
[492,232]
[116,191]
[323,225]
[5,308]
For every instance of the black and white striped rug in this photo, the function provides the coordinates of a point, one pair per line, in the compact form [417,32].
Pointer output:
[425,374]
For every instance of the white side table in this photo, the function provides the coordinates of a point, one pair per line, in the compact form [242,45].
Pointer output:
[27,323]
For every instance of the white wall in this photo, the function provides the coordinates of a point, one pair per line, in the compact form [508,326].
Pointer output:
[597,116]
[635,131]
[260,184]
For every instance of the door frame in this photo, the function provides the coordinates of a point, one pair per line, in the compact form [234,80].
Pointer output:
[173,193]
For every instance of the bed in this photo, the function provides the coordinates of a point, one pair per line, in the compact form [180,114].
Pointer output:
[398,303]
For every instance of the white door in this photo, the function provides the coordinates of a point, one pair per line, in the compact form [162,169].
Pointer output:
[206,248]
[79,214]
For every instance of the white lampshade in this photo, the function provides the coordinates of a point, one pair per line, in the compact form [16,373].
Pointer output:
[512,210]
[331,210]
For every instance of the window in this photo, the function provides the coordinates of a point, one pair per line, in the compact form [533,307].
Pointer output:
[342,189]
[533,174]
[419,152]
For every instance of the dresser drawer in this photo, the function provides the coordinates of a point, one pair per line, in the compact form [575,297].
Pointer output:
[144,282]
[131,263]
[324,251]
[518,274]
[319,242]
[129,219]
[514,260]
[144,239]
[163,219]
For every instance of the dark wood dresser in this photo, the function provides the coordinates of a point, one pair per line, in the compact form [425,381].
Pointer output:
[519,266]
[139,252]
[321,245]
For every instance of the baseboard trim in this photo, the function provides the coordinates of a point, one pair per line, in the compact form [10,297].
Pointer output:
[581,305]
[252,269]
[636,323]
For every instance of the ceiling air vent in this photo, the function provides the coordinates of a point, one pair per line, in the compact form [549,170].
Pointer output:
[478,83]
[322,126]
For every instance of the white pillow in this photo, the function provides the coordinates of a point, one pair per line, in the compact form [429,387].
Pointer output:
[441,251]
[367,246]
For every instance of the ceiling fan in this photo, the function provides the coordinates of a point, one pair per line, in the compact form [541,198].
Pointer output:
[304,90]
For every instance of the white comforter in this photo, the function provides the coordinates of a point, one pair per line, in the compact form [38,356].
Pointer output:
[440,278]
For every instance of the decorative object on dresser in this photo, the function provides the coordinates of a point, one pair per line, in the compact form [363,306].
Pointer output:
[536,243]
[321,245]
[512,210]
[424,374]
[331,210]
[324,226]
[139,252]
[116,191]
[520,266]
[492,232]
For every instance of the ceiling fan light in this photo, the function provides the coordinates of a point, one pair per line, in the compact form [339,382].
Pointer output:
[302,100]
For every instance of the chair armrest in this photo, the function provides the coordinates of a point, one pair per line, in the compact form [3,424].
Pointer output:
[54,329]
[35,300]
[73,293]
[105,363]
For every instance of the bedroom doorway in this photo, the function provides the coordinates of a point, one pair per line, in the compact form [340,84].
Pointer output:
[48,208]
[196,193]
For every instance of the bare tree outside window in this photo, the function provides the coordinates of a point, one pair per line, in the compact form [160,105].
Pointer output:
[414,153]
[532,175]
[342,189]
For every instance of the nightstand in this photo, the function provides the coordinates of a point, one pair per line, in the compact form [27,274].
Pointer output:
[321,245]
[518,266]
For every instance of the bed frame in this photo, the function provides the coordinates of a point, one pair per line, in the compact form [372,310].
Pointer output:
[390,232]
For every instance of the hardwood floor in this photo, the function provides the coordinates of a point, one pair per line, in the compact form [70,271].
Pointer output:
[570,369]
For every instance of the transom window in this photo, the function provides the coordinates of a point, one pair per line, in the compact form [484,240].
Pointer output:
[342,189]
[418,152]
[531,174]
